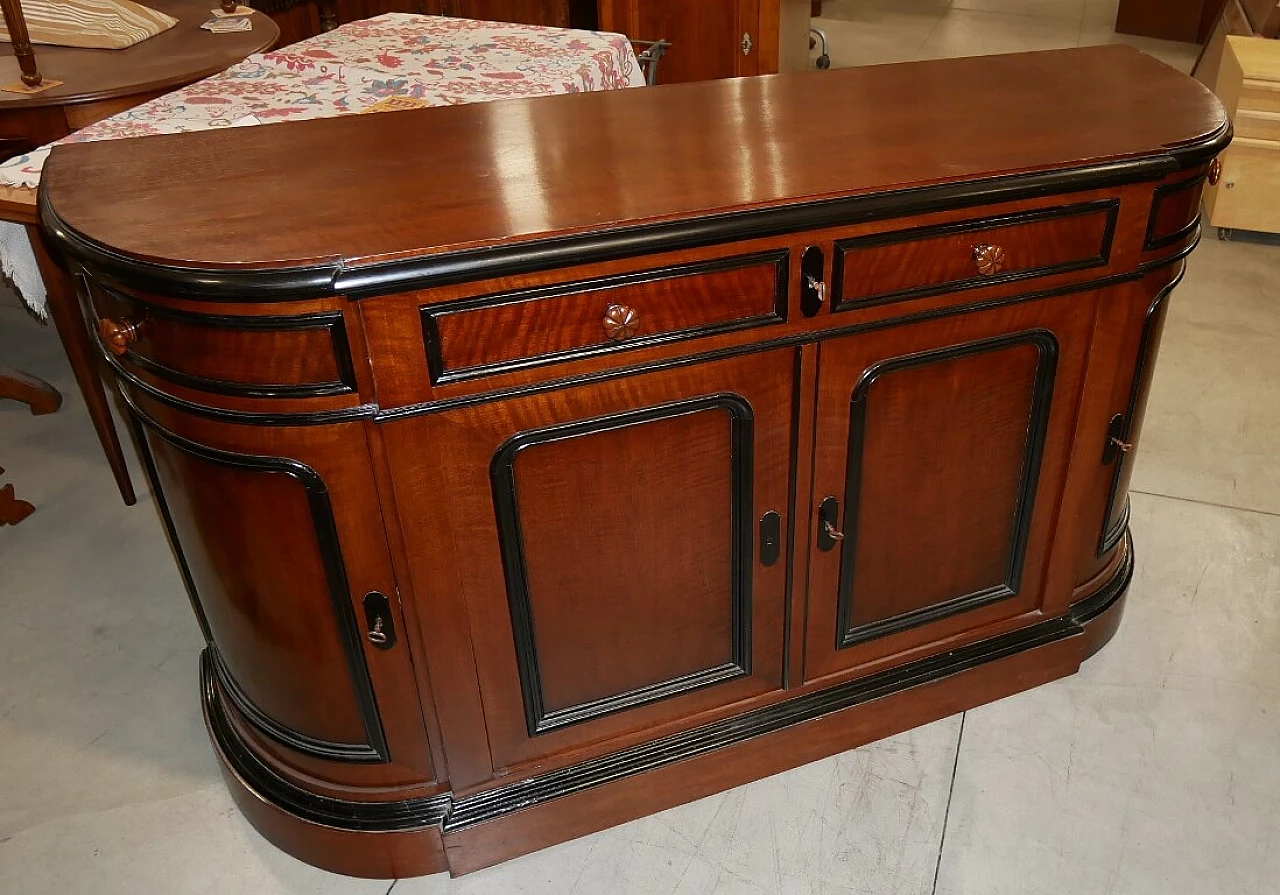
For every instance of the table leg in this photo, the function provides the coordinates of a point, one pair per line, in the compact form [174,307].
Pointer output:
[42,398]
[69,320]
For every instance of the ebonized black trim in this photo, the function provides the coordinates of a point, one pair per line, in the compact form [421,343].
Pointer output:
[848,634]
[381,278]
[427,407]
[793,486]
[1149,241]
[1111,534]
[452,813]
[511,541]
[430,314]
[331,322]
[1110,207]
[1091,607]
[242,417]
[330,548]
[367,817]
[495,803]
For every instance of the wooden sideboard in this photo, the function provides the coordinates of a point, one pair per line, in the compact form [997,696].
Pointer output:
[564,480]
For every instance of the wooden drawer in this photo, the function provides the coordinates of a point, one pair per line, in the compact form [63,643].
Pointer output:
[502,332]
[1247,192]
[1258,125]
[300,356]
[1259,96]
[929,260]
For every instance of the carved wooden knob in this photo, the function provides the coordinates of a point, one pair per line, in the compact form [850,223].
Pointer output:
[989,259]
[620,322]
[119,334]
[1215,172]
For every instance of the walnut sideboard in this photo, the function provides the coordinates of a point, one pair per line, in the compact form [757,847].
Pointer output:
[528,474]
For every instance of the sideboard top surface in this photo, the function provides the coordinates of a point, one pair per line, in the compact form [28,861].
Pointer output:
[343,193]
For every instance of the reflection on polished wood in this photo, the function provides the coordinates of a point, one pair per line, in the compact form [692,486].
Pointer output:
[478,577]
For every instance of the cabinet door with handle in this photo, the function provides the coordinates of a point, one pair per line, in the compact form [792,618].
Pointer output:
[709,38]
[278,535]
[939,467]
[619,547]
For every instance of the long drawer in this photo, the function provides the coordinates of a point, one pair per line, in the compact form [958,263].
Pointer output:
[529,327]
[925,261]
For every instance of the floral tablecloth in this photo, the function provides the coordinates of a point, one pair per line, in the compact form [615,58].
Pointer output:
[423,60]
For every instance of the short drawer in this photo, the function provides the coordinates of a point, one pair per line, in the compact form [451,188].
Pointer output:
[254,356]
[514,330]
[928,260]
[1257,125]
[1259,96]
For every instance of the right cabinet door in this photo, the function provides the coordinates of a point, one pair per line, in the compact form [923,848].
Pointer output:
[941,452]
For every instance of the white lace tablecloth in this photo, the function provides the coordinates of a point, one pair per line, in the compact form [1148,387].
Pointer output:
[426,60]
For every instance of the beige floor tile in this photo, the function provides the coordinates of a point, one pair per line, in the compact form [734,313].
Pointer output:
[1156,769]
[1212,429]
[1100,13]
[1066,10]
[874,33]
[969,33]
[195,844]
[868,820]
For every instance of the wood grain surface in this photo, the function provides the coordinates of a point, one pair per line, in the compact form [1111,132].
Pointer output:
[366,194]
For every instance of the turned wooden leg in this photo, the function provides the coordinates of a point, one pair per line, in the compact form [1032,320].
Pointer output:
[69,320]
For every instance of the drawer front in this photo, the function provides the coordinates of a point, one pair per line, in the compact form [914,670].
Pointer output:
[1259,96]
[1258,125]
[499,333]
[300,356]
[925,261]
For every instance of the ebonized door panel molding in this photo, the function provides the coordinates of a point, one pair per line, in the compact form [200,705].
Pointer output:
[326,533]
[511,542]
[1103,256]
[1044,341]
[1112,533]
[432,314]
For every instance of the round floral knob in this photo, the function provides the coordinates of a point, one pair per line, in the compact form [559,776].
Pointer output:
[119,334]
[620,322]
[989,259]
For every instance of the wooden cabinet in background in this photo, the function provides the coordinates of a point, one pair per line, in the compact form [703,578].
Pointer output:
[716,38]
[567,480]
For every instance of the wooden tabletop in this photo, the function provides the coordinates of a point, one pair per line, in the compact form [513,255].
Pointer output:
[437,180]
[183,54]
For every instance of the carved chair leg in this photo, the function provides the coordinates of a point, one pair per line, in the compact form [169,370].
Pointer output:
[37,394]
[12,510]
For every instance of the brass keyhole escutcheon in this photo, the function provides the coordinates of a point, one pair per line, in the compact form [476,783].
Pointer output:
[988,258]
[621,322]
[1215,172]
[119,334]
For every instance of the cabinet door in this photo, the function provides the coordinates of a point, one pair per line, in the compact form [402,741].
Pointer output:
[709,38]
[939,466]
[605,546]
[279,538]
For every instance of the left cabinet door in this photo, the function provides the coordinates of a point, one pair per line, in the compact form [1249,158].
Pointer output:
[603,543]
[279,537]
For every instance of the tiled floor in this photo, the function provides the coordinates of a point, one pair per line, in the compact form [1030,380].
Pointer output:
[869,32]
[1154,770]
